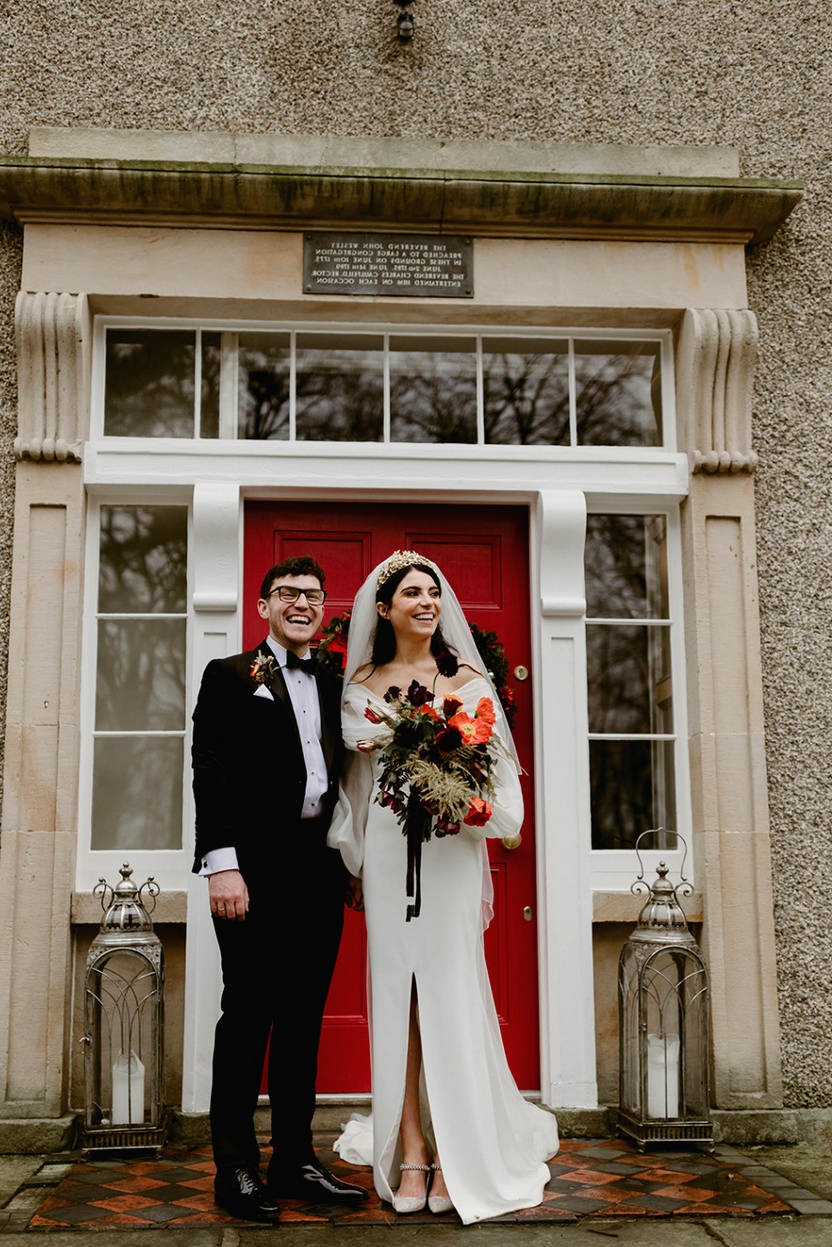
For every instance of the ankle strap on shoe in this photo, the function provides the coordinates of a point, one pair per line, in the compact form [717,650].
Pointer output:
[425,1168]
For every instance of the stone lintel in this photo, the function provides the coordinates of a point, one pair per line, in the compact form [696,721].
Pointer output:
[441,201]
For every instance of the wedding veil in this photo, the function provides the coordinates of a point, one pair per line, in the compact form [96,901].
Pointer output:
[454,629]
[458,637]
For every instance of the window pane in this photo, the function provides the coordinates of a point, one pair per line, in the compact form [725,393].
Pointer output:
[339,387]
[141,675]
[144,560]
[628,676]
[149,388]
[631,791]
[526,392]
[618,393]
[626,567]
[137,792]
[209,414]
[433,389]
[263,386]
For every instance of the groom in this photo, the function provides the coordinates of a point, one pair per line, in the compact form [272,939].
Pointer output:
[266,755]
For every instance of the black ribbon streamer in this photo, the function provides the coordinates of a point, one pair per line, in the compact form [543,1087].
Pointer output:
[418,823]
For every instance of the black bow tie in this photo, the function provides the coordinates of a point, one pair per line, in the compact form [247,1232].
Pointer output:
[309,665]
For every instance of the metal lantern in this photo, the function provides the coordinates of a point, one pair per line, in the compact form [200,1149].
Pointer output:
[124,1022]
[663,1020]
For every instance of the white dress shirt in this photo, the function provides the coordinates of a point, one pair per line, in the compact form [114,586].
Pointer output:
[303,694]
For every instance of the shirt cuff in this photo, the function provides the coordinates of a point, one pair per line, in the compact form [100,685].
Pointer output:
[219,859]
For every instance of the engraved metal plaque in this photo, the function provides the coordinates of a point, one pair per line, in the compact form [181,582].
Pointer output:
[423,265]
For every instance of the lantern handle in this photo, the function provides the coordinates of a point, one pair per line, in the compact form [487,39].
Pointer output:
[101,889]
[641,885]
[153,891]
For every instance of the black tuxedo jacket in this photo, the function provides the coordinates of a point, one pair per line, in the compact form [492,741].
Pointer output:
[249,772]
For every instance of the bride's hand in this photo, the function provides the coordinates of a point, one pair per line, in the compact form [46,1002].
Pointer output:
[355,895]
[366,746]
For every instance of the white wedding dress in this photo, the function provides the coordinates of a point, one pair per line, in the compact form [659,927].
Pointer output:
[492,1143]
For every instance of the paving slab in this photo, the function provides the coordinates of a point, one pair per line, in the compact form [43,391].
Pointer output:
[788,1232]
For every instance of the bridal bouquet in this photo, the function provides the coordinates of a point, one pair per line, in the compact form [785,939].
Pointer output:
[436,766]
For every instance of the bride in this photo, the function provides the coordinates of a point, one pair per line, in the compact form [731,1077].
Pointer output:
[449,1127]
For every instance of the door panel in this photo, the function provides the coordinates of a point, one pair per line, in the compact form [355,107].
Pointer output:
[483,550]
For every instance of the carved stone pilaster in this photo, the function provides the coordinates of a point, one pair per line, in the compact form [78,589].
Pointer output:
[53,353]
[714,376]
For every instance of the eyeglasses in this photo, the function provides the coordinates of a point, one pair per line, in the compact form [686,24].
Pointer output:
[287,593]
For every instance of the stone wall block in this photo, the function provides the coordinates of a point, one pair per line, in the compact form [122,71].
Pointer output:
[727,757]
[41,769]
[35,972]
[53,349]
[716,358]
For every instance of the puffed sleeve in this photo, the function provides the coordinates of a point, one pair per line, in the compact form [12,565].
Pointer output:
[506,804]
[346,831]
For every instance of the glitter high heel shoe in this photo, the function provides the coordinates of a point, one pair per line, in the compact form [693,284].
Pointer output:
[413,1203]
[440,1203]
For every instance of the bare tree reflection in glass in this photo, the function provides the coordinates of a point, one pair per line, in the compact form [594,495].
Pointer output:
[141,675]
[263,373]
[618,393]
[150,383]
[525,391]
[211,363]
[339,387]
[629,681]
[433,389]
[143,560]
[140,687]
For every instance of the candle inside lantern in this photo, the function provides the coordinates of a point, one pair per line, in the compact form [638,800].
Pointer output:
[663,1076]
[128,1090]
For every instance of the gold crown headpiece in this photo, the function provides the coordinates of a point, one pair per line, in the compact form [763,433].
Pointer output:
[399,559]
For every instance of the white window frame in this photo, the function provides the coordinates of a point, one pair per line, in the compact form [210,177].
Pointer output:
[637,480]
[228,382]
[173,865]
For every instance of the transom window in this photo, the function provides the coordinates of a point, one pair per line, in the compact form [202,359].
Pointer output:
[304,385]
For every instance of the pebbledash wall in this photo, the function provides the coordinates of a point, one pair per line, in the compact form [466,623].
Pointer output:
[756,79]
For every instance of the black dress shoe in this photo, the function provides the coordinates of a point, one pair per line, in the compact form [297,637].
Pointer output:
[241,1192]
[316,1184]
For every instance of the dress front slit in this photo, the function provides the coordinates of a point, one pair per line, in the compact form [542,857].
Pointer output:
[492,1143]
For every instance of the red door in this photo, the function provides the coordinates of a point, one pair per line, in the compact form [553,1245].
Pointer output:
[483,550]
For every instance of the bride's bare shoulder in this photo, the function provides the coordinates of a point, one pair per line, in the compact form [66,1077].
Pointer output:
[465,675]
[362,674]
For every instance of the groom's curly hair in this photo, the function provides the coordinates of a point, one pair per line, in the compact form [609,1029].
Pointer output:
[299,565]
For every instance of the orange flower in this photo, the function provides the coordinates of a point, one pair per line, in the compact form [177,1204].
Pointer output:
[472,731]
[479,812]
[429,710]
[478,730]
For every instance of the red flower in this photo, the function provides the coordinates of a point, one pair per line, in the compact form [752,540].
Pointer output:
[450,706]
[450,739]
[417,694]
[428,711]
[479,812]
[392,694]
[447,663]
[370,714]
[338,644]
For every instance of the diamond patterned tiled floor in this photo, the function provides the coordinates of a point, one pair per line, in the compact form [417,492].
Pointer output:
[596,1178]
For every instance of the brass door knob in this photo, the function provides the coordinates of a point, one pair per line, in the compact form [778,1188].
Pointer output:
[512,842]
[521,673]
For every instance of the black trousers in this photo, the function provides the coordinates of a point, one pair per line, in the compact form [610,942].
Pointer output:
[276,967]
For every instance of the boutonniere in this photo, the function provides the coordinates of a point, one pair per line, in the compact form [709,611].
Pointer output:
[263,668]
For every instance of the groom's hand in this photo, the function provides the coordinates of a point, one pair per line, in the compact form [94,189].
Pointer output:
[228,894]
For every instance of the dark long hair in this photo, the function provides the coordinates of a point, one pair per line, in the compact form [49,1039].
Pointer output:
[384,641]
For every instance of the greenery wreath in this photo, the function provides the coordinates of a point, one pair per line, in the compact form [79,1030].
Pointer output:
[332,649]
